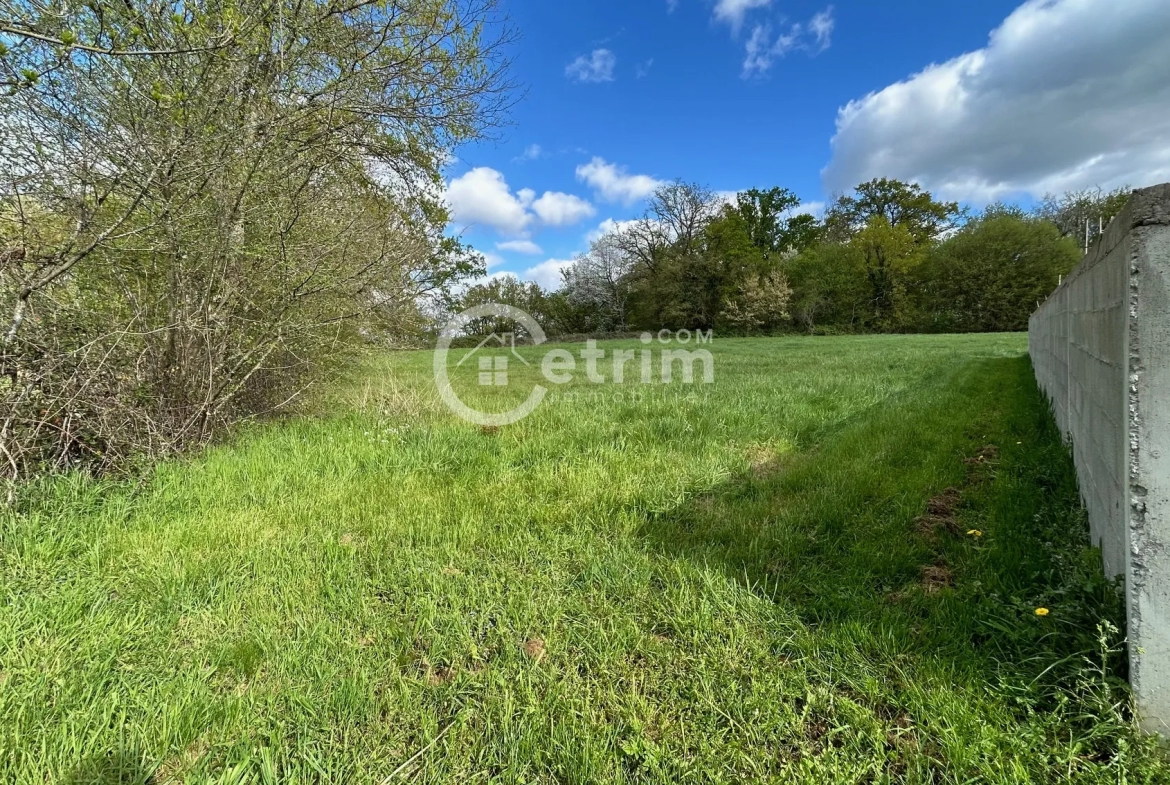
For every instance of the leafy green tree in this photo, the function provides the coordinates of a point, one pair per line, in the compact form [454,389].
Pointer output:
[803,231]
[506,290]
[695,282]
[771,223]
[888,252]
[570,316]
[829,288]
[762,213]
[990,275]
[900,204]
[675,281]
[684,291]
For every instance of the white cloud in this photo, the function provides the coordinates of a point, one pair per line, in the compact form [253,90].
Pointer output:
[821,26]
[614,183]
[759,51]
[1066,94]
[733,12]
[548,273]
[482,196]
[642,70]
[608,226]
[815,209]
[558,209]
[520,246]
[491,259]
[727,197]
[531,153]
[597,67]
[762,50]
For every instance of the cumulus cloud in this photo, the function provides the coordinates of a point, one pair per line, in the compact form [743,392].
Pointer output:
[548,273]
[608,226]
[1067,94]
[733,12]
[482,197]
[762,49]
[614,183]
[815,209]
[558,209]
[597,67]
[519,246]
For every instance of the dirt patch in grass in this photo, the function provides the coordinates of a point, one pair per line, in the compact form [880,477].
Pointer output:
[705,503]
[981,466]
[945,503]
[936,577]
[896,597]
[440,675]
[901,735]
[941,510]
[535,649]
[175,769]
[819,732]
[940,513]
[764,461]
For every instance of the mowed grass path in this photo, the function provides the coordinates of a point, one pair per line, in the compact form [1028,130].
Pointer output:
[736,586]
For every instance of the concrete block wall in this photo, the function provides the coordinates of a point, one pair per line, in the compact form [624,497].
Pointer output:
[1100,346]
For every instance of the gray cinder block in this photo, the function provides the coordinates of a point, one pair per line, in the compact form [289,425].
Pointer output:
[1100,346]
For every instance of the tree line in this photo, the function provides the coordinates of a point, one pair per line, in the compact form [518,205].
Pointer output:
[888,257]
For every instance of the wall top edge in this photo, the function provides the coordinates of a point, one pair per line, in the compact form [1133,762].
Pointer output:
[1147,207]
[1151,206]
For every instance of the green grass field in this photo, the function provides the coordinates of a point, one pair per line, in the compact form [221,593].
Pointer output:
[770,578]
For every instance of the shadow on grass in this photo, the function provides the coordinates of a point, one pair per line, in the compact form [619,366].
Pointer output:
[120,768]
[934,526]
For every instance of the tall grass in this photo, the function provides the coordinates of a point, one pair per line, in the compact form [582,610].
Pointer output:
[770,579]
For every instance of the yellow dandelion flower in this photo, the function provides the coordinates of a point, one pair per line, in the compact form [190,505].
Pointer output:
[1041,611]
[975,533]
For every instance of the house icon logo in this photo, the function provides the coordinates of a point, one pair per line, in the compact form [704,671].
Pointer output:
[494,356]
[493,369]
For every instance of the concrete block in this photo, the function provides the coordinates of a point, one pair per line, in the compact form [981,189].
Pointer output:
[1100,346]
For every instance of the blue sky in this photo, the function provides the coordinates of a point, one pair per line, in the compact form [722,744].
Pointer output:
[977,101]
